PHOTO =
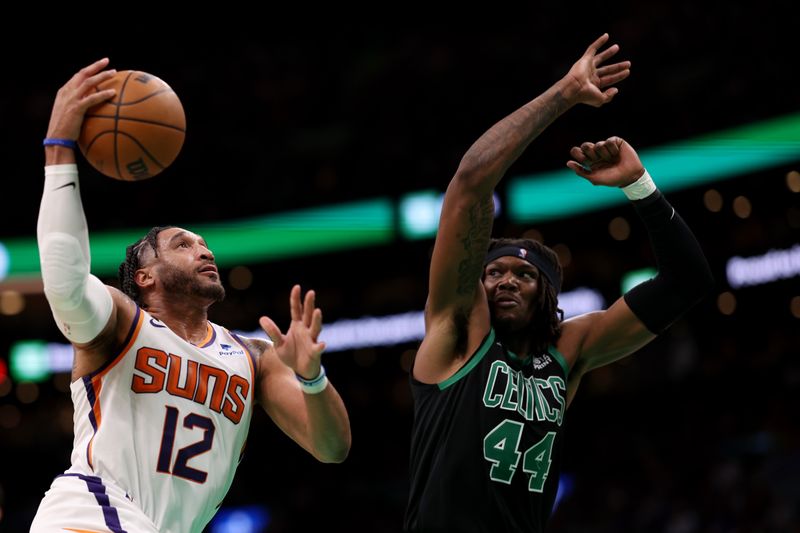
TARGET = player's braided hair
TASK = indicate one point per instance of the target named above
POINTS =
(546, 322)
(133, 255)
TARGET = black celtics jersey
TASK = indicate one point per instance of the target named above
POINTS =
(485, 446)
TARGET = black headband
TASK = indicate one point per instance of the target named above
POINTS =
(531, 256)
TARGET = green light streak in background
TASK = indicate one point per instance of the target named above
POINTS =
(295, 233)
(709, 158)
(533, 198)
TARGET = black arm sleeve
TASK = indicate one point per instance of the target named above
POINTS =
(684, 276)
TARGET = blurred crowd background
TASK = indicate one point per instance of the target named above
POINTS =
(698, 432)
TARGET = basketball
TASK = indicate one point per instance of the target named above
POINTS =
(136, 134)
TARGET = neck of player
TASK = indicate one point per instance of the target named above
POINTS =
(184, 316)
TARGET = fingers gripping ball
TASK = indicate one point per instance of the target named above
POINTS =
(136, 134)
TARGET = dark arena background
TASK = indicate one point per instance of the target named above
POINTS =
(316, 153)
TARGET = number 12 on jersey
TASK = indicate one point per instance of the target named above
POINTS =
(181, 467)
(500, 449)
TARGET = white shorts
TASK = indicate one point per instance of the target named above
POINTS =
(86, 504)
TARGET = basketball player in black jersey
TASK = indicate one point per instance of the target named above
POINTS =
(498, 368)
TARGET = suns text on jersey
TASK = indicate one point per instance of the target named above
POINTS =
(159, 371)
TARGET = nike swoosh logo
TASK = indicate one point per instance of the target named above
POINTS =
(70, 184)
(156, 324)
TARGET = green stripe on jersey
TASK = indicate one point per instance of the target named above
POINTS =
(561, 360)
(464, 370)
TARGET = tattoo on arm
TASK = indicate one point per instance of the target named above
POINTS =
(256, 346)
(540, 115)
(489, 157)
(475, 243)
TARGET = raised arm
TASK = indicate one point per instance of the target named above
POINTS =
(294, 389)
(467, 213)
(84, 309)
(683, 278)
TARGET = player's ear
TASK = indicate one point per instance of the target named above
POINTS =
(144, 277)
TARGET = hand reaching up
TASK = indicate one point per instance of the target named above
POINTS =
(75, 97)
(591, 80)
(298, 348)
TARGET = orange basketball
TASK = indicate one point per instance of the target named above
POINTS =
(136, 134)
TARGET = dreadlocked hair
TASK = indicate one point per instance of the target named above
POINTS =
(546, 322)
(132, 263)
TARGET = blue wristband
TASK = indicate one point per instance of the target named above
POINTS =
(69, 143)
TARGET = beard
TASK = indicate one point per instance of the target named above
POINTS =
(507, 321)
(178, 282)
(504, 323)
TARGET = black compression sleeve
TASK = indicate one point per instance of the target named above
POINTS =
(684, 276)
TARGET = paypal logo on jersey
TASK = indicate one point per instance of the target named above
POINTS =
(227, 349)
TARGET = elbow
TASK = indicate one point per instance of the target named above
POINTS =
(335, 458)
(660, 301)
(468, 168)
(475, 174)
(693, 288)
(464, 181)
(65, 271)
(335, 453)
(692, 285)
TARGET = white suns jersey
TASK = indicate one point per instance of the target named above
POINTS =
(166, 421)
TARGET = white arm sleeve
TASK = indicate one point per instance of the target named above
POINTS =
(81, 304)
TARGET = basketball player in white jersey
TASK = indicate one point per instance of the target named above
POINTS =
(163, 397)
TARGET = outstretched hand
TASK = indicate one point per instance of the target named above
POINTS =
(593, 81)
(613, 162)
(75, 97)
(298, 348)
